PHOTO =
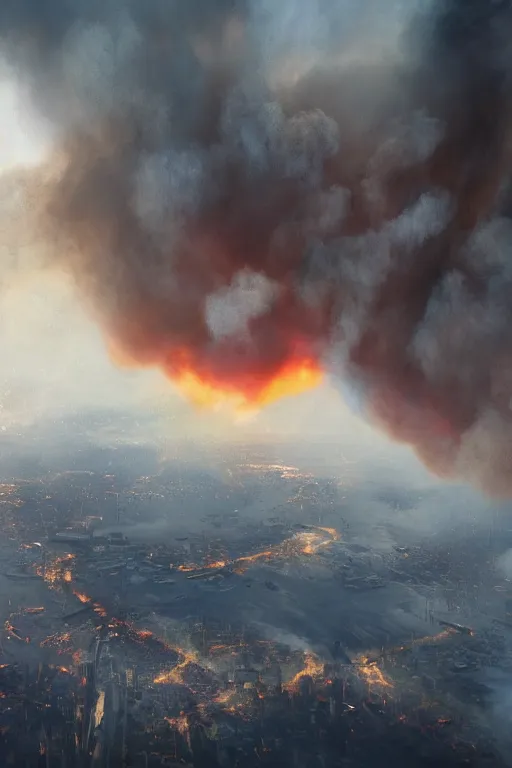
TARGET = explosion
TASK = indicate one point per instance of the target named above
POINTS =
(246, 204)
(294, 378)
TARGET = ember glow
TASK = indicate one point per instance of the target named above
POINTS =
(224, 697)
(313, 668)
(100, 610)
(440, 637)
(99, 708)
(445, 634)
(178, 723)
(175, 675)
(56, 571)
(308, 542)
(304, 543)
(293, 379)
(59, 639)
(215, 565)
(314, 542)
(82, 597)
(371, 673)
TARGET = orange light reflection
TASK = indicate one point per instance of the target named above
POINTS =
(294, 379)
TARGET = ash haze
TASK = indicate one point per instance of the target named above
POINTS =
(57, 362)
(241, 193)
(298, 212)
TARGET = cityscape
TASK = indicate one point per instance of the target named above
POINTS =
(256, 384)
(258, 628)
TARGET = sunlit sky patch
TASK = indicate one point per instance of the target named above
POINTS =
(23, 140)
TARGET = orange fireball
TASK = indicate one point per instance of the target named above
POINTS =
(294, 378)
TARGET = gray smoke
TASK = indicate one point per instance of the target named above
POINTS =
(238, 187)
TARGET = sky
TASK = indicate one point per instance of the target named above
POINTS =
(55, 359)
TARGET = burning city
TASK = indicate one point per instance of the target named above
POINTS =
(256, 384)
(190, 649)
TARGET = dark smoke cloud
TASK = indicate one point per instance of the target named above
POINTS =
(238, 186)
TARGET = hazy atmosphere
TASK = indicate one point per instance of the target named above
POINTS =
(255, 418)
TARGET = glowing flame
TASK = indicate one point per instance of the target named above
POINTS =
(372, 674)
(304, 543)
(180, 723)
(207, 390)
(418, 641)
(224, 697)
(99, 708)
(56, 571)
(57, 639)
(82, 597)
(294, 379)
(253, 558)
(445, 634)
(223, 648)
(314, 541)
(175, 675)
(207, 566)
(313, 668)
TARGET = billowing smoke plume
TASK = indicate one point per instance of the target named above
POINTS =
(245, 190)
